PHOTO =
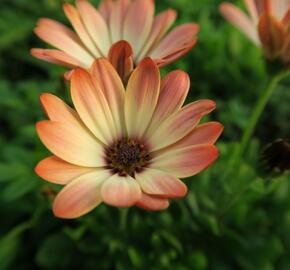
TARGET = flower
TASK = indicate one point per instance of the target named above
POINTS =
(267, 25)
(124, 148)
(125, 31)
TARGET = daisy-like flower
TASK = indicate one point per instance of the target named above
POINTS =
(267, 25)
(124, 31)
(124, 148)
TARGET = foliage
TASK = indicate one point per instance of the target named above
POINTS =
(237, 222)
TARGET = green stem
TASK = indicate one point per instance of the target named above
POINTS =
(123, 218)
(255, 116)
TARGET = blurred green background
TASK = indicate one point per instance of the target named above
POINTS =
(237, 223)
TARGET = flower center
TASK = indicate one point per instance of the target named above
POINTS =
(127, 156)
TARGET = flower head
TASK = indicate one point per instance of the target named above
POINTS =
(124, 148)
(125, 31)
(267, 25)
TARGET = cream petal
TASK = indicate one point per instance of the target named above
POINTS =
(141, 97)
(180, 37)
(58, 171)
(118, 12)
(56, 57)
(121, 57)
(111, 85)
(80, 196)
(64, 39)
(238, 18)
(92, 106)
(161, 184)
(173, 91)
(179, 124)
(105, 8)
(121, 191)
(252, 8)
(280, 7)
(95, 25)
(203, 134)
(161, 24)
(152, 203)
(71, 143)
(138, 23)
(187, 161)
(74, 17)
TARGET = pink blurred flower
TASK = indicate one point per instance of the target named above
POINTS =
(267, 25)
(121, 30)
(124, 148)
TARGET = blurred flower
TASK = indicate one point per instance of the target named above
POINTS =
(275, 158)
(98, 34)
(267, 25)
(124, 148)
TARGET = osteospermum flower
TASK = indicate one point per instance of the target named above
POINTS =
(124, 148)
(125, 31)
(267, 25)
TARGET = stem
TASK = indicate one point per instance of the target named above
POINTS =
(255, 116)
(123, 218)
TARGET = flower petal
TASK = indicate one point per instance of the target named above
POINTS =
(179, 124)
(121, 191)
(71, 143)
(117, 17)
(173, 91)
(64, 39)
(161, 24)
(56, 57)
(121, 57)
(58, 171)
(105, 8)
(92, 106)
(141, 97)
(138, 23)
(80, 196)
(203, 134)
(239, 19)
(74, 17)
(152, 203)
(113, 89)
(180, 37)
(95, 25)
(187, 161)
(161, 184)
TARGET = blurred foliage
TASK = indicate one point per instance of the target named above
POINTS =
(241, 222)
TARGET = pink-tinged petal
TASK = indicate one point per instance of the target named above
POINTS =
(117, 17)
(159, 183)
(80, 196)
(64, 39)
(105, 8)
(179, 124)
(252, 8)
(239, 19)
(280, 7)
(187, 161)
(141, 97)
(92, 106)
(121, 191)
(121, 57)
(74, 17)
(181, 37)
(55, 57)
(138, 23)
(58, 171)
(203, 134)
(95, 25)
(160, 26)
(173, 91)
(113, 89)
(71, 143)
(152, 203)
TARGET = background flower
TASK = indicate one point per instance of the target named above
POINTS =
(267, 25)
(98, 33)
